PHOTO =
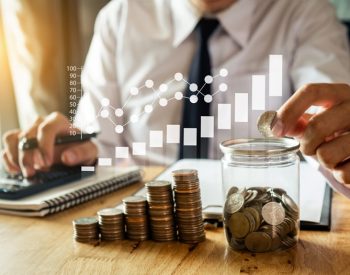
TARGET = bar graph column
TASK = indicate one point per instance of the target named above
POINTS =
(258, 92)
(207, 126)
(275, 75)
(156, 139)
(139, 148)
(241, 107)
(224, 116)
(121, 152)
(190, 137)
(173, 133)
(88, 169)
(104, 161)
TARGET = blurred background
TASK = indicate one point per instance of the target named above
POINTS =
(38, 40)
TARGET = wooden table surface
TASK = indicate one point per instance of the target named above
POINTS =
(45, 246)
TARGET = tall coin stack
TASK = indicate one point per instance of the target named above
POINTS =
(86, 230)
(135, 210)
(188, 206)
(111, 222)
(161, 210)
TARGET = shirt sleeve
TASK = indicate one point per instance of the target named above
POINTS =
(99, 82)
(322, 49)
(322, 55)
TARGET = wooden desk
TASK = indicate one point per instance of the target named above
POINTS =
(45, 246)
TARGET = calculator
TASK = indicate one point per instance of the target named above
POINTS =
(13, 187)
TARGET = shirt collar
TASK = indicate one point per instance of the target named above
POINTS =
(185, 19)
(236, 20)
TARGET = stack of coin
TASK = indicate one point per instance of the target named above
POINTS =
(161, 210)
(136, 218)
(188, 206)
(260, 219)
(85, 230)
(111, 222)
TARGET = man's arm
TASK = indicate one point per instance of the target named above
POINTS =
(99, 80)
(322, 49)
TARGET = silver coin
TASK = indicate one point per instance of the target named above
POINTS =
(134, 199)
(288, 201)
(85, 221)
(234, 203)
(265, 123)
(273, 213)
(109, 212)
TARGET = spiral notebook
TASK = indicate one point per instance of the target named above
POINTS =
(104, 181)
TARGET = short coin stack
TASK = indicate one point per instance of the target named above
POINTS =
(111, 222)
(260, 219)
(161, 210)
(86, 230)
(188, 206)
(136, 218)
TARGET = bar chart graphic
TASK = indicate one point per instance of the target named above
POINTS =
(222, 120)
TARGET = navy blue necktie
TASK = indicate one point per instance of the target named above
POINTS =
(200, 68)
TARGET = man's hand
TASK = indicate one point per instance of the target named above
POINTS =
(325, 134)
(45, 131)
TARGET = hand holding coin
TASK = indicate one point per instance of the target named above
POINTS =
(325, 134)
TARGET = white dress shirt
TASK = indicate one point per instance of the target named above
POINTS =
(135, 41)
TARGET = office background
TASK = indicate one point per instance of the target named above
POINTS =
(38, 40)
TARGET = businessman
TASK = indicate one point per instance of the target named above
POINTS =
(136, 41)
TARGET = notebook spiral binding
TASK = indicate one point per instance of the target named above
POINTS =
(90, 192)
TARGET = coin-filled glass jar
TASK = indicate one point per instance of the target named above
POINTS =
(261, 189)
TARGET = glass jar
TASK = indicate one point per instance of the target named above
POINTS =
(261, 189)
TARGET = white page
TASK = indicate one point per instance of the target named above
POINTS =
(312, 186)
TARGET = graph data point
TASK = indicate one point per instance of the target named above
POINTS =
(163, 88)
(104, 113)
(89, 129)
(223, 72)
(223, 87)
(119, 129)
(208, 79)
(163, 102)
(105, 102)
(208, 98)
(178, 76)
(149, 83)
(119, 112)
(193, 87)
(134, 91)
(148, 108)
(193, 99)
(179, 95)
(134, 118)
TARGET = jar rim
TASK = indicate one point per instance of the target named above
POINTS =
(272, 146)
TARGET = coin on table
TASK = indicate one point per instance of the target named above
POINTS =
(273, 213)
(234, 203)
(85, 229)
(265, 123)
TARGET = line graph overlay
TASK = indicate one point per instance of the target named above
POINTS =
(170, 134)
